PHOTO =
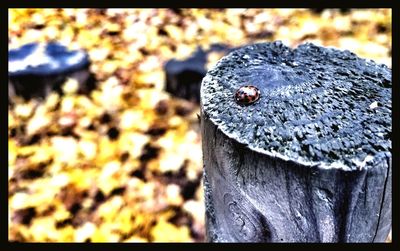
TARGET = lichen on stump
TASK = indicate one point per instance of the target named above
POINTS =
(310, 160)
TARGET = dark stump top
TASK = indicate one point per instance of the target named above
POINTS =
(45, 59)
(318, 106)
(196, 62)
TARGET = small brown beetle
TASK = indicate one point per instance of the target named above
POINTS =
(247, 94)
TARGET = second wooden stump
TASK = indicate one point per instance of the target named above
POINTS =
(310, 160)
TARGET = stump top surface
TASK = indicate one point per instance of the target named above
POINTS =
(317, 106)
(45, 59)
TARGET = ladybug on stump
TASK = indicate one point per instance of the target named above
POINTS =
(247, 94)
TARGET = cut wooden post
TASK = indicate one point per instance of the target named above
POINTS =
(310, 160)
(36, 69)
(183, 77)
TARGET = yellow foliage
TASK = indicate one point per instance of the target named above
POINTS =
(166, 232)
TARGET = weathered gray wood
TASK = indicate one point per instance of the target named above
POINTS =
(311, 160)
(34, 70)
(183, 77)
(33, 86)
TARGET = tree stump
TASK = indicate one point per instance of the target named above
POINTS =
(34, 70)
(310, 160)
(183, 77)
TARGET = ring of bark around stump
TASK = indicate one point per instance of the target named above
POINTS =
(320, 106)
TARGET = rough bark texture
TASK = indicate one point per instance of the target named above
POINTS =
(311, 160)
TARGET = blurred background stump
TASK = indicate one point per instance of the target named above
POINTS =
(183, 77)
(310, 160)
(34, 70)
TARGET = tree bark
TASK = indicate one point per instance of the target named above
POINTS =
(311, 160)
